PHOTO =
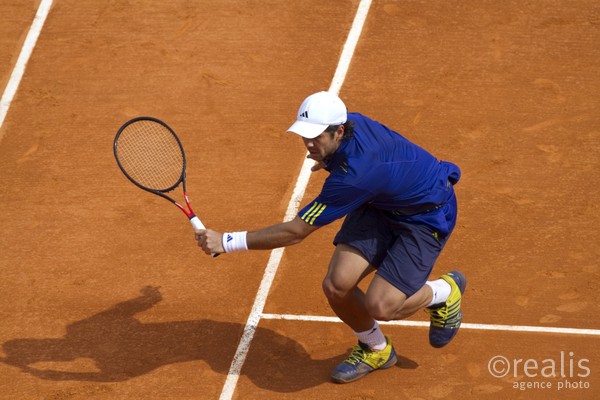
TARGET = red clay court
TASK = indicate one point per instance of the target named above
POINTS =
(105, 294)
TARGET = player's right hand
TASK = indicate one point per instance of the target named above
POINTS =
(210, 241)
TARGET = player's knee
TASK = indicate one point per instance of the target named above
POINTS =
(335, 293)
(378, 310)
(383, 310)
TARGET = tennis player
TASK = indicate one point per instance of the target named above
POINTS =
(400, 210)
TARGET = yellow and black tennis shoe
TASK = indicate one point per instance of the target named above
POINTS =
(445, 318)
(362, 361)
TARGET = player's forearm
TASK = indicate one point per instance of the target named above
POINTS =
(279, 235)
(272, 237)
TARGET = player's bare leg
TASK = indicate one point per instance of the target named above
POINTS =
(441, 298)
(346, 269)
(373, 351)
(386, 303)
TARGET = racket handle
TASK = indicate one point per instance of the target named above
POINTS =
(198, 225)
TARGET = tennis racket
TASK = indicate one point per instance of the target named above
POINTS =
(151, 156)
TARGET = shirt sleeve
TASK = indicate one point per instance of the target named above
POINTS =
(335, 201)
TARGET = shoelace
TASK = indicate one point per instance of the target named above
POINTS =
(357, 355)
(442, 318)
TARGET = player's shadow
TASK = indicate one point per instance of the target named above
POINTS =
(122, 348)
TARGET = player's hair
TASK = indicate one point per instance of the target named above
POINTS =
(348, 129)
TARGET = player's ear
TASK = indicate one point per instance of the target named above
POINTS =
(339, 133)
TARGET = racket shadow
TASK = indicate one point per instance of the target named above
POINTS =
(121, 347)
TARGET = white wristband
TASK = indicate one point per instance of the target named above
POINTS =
(234, 241)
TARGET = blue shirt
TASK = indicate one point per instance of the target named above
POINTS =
(381, 168)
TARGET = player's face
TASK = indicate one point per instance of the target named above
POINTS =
(323, 146)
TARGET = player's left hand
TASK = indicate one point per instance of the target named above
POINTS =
(210, 241)
(318, 165)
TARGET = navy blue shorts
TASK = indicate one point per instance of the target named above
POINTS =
(403, 253)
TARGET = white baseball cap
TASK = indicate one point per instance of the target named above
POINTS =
(317, 112)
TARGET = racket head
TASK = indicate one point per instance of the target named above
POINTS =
(150, 154)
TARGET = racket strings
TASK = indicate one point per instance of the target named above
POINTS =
(151, 155)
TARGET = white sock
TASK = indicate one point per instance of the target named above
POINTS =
(441, 291)
(373, 337)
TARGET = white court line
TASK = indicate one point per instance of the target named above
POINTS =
(26, 50)
(275, 258)
(425, 324)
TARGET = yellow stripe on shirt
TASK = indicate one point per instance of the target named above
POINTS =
(318, 212)
(313, 212)
(310, 210)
